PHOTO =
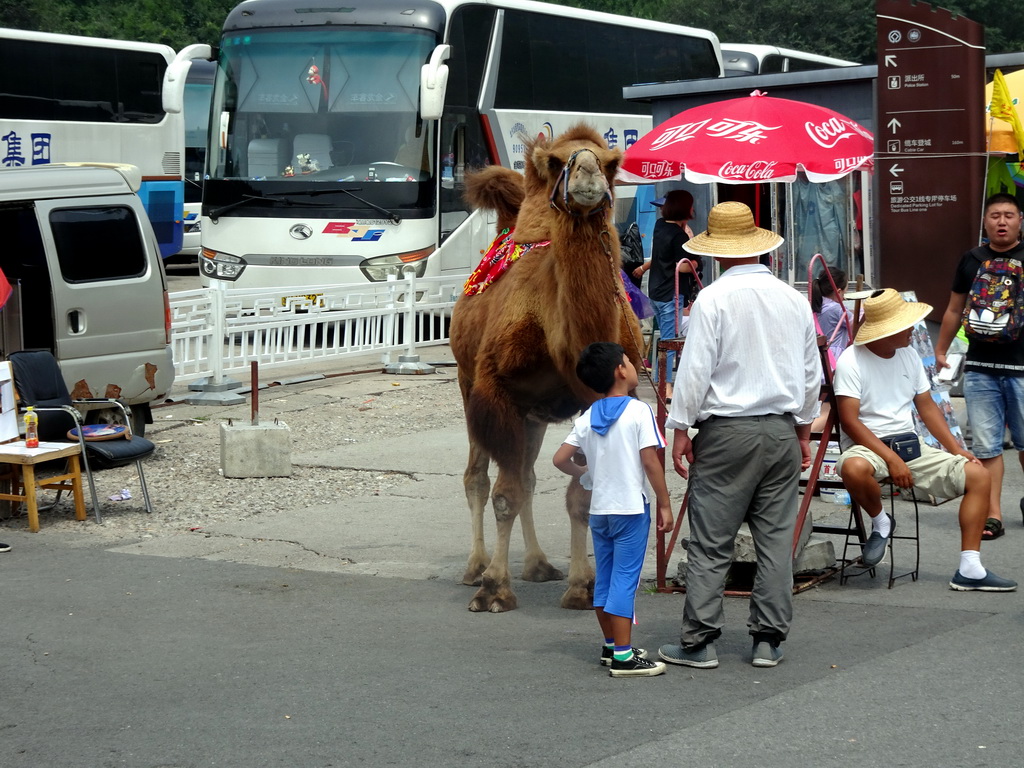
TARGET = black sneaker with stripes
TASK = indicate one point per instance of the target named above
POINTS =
(636, 667)
(607, 654)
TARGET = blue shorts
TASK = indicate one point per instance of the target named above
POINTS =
(994, 403)
(620, 543)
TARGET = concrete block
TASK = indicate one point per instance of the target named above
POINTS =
(256, 451)
(818, 554)
(814, 553)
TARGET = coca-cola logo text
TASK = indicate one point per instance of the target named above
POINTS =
(829, 133)
(759, 170)
(660, 169)
(845, 164)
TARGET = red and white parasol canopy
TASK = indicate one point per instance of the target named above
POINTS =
(749, 140)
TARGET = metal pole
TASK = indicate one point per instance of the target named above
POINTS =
(254, 376)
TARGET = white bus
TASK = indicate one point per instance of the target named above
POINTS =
(341, 135)
(82, 99)
(739, 59)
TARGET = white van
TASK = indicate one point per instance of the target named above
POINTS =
(88, 280)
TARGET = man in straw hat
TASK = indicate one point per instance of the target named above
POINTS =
(748, 380)
(877, 379)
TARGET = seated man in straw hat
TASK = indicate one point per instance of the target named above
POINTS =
(877, 379)
(748, 380)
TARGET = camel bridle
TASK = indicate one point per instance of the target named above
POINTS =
(563, 181)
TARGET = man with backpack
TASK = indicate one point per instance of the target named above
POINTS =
(988, 300)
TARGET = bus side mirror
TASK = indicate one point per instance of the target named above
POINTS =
(434, 83)
(177, 71)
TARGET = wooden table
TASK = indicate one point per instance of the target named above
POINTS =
(17, 455)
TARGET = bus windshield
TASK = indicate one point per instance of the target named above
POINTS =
(323, 106)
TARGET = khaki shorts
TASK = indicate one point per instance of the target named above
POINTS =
(936, 472)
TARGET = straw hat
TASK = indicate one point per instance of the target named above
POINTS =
(886, 313)
(731, 234)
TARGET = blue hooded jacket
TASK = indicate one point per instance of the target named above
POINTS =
(605, 412)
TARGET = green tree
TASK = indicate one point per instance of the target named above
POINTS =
(841, 28)
(152, 21)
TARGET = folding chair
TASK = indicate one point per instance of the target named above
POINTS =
(896, 535)
(38, 381)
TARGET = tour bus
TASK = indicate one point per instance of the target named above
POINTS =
(80, 99)
(739, 59)
(341, 136)
(198, 92)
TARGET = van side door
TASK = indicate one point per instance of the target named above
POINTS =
(108, 289)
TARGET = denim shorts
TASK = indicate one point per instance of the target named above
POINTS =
(994, 403)
(665, 311)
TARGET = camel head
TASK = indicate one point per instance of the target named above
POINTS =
(576, 168)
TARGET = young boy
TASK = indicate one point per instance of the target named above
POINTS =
(620, 438)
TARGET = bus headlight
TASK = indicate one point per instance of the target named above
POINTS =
(220, 266)
(378, 268)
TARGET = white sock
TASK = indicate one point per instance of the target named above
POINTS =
(970, 565)
(880, 524)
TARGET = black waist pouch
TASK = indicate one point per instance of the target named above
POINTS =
(906, 445)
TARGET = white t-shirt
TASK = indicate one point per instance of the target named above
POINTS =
(613, 459)
(886, 387)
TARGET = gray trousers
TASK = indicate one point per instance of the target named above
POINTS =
(745, 468)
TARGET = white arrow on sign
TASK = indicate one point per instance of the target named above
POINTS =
(890, 60)
(894, 124)
(895, 170)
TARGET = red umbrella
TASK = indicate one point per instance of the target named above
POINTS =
(752, 139)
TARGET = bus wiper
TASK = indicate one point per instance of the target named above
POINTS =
(246, 199)
(395, 218)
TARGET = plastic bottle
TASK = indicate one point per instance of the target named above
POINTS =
(31, 428)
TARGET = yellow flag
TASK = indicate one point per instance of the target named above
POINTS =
(1003, 109)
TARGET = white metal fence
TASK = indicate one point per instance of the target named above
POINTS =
(219, 331)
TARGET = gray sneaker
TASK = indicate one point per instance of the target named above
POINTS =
(766, 654)
(990, 583)
(874, 547)
(702, 658)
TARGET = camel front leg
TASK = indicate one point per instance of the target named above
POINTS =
(535, 564)
(477, 486)
(495, 594)
(579, 595)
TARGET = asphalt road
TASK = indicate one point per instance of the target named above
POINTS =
(339, 636)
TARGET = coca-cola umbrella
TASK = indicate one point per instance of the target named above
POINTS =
(753, 139)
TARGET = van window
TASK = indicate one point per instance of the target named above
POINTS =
(98, 243)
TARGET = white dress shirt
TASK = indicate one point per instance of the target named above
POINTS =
(751, 350)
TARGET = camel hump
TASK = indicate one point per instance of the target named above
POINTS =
(496, 188)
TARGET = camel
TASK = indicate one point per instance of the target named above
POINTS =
(517, 342)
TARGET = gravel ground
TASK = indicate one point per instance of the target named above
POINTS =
(184, 479)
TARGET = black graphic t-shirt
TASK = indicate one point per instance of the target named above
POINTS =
(994, 357)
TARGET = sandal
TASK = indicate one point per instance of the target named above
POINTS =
(993, 529)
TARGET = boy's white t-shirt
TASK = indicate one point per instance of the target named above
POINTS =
(886, 387)
(613, 459)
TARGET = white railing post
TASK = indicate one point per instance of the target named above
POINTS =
(409, 363)
(215, 390)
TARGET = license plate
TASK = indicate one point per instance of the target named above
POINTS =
(312, 298)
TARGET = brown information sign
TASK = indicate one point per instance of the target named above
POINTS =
(929, 145)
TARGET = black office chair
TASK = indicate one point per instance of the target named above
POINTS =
(39, 383)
